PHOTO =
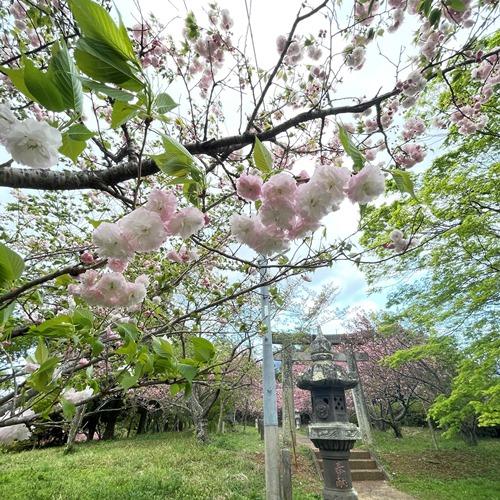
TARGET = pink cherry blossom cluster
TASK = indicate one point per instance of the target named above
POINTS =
(488, 73)
(147, 227)
(371, 151)
(220, 17)
(355, 57)
(430, 40)
(410, 155)
(386, 117)
(295, 51)
(182, 255)
(364, 12)
(398, 15)
(399, 243)
(290, 211)
(469, 119)
(143, 230)
(110, 289)
(461, 16)
(412, 128)
(413, 84)
(151, 46)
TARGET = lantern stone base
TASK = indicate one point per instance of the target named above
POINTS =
(335, 440)
(332, 494)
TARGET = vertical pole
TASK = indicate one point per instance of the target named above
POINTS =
(271, 433)
(286, 461)
(288, 412)
(289, 438)
(359, 400)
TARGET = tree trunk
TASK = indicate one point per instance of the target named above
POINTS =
(432, 431)
(141, 426)
(109, 430)
(220, 426)
(92, 426)
(75, 425)
(199, 418)
(469, 434)
(397, 429)
(201, 430)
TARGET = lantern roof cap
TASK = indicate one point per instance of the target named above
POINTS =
(321, 348)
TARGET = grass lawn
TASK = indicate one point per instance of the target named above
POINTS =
(455, 472)
(154, 466)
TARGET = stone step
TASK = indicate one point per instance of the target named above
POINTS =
(360, 454)
(362, 464)
(367, 475)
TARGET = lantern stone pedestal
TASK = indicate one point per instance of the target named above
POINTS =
(330, 430)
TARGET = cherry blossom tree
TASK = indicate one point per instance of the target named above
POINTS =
(130, 241)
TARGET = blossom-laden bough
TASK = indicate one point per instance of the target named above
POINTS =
(141, 271)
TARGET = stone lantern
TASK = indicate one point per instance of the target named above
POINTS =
(330, 430)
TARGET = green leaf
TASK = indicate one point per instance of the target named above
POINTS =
(127, 380)
(63, 72)
(178, 162)
(204, 350)
(425, 7)
(352, 151)
(102, 63)
(41, 353)
(16, 76)
(11, 266)
(83, 319)
(64, 280)
(177, 150)
(458, 5)
(175, 389)
(164, 103)
(129, 349)
(68, 408)
(5, 313)
(70, 148)
(60, 326)
(79, 132)
(262, 157)
(101, 88)
(42, 378)
(43, 88)
(189, 372)
(96, 23)
(96, 223)
(162, 347)
(122, 112)
(435, 16)
(128, 331)
(96, 345)
(403, 181)
(74, 141)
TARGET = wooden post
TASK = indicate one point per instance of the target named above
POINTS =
(289, 437)
(286, 485)
(271, 430)
(359, 401)
(288, 414)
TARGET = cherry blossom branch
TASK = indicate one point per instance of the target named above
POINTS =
(276, 68)
(74, 270)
